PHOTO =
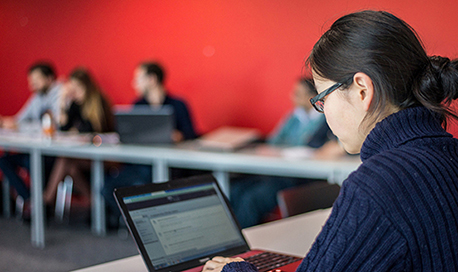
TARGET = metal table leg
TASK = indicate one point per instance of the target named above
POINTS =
(98, 203)
(160, 171)
(224, 181)
(36, 166)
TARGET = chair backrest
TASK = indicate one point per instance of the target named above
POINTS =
(307, 197)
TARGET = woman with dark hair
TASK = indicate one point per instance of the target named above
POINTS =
(384, 98)
(84, 110)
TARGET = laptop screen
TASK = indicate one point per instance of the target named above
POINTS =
(183, 224)
(144, 125)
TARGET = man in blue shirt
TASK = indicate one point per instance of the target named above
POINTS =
(303, 126)
(254, 197)
(45, 98)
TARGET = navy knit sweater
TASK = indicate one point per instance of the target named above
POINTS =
(399, 210)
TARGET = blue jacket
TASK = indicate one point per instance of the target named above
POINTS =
(291, 131)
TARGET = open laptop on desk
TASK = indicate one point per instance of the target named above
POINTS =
(144, 125)
(179, 225)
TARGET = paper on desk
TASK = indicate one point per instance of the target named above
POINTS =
(298, 152)
(228, 138)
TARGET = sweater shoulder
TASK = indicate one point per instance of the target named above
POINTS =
(416, 188)
(418, 172)
(355, 235)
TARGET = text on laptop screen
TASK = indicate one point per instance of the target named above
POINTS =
(182, 224)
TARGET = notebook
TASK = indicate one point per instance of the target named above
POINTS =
(180, 224)
(144, 125)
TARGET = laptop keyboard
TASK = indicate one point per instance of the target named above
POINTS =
(267, 261)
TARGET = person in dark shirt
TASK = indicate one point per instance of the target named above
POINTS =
(385, 98)
(76, 121)
(84, 109)
(148, 82)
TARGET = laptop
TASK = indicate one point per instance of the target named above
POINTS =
(181, 224)
(144, 125)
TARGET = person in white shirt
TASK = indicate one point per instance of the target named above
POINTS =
(44, 99)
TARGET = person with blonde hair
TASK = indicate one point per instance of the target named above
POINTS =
(84, 109)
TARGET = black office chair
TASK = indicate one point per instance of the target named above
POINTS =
(306, 198)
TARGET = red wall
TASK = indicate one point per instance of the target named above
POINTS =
(233, 61)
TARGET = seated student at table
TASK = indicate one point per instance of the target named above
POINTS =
(148, 82)
(254, 197)
(386, 99)
(45, 98)
(84, 109)
(303, 126)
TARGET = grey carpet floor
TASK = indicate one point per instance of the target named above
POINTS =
(68, 247)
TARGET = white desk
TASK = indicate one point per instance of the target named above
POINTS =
(264, 161)
(293, 235)
(260, 160)
(33, 145)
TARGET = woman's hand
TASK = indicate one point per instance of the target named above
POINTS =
(8, 123)
(177, 136)
(217, 263)
(67, 95)
(66, 100)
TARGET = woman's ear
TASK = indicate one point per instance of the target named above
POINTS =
(365, 89)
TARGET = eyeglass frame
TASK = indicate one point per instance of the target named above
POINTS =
(320, 97)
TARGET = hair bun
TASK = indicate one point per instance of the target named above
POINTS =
(446, 74)
(439, 64)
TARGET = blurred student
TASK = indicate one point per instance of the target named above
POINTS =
(45, 91)
(254, 197)
(303, 126)
(84, 109)
(148, 82)
(45, 97)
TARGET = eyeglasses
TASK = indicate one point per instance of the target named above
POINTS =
(318, 101)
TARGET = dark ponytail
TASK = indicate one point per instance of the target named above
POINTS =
(390, 52)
